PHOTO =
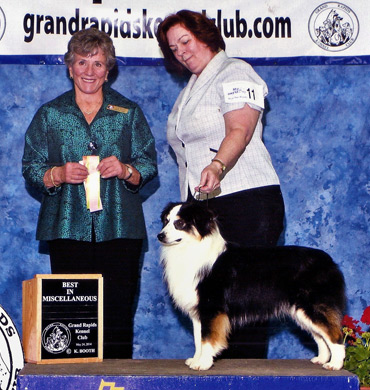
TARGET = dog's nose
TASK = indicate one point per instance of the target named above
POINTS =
(161, 237)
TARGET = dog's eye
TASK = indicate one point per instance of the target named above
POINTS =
(179, 224)
(165, 222)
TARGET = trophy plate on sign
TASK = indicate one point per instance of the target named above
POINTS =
(63, 318)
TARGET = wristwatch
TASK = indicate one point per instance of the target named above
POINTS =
(130, 171)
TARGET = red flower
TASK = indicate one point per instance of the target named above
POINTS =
(349, 322)
(366, 316)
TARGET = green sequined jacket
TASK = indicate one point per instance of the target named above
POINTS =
(59, 134)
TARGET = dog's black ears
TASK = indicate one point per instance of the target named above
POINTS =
(194, 212)
(197, 213)
(205, 220)
(167, 209)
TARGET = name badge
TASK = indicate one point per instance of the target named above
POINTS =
(245, 92)
(111, 107)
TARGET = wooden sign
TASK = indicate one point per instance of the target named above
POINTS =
(63, 318)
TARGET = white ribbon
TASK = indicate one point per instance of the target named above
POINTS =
(92, 183)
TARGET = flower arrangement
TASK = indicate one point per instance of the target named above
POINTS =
(357, 347)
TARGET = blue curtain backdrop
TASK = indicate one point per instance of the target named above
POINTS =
(317, 130)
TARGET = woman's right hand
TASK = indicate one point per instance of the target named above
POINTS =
(71, 173)
(210, 178)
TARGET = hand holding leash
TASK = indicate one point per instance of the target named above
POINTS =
(210, 178)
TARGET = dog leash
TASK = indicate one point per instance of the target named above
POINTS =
(198, 199)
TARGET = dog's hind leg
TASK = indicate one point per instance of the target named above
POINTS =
(328, 337)
(333, 350)
(323, 355)
(331, 332)
(338, 354)
(209, 346)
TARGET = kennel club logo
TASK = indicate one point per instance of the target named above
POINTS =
(2, 23)
(11, 353)
(333, 26)
(56, 338)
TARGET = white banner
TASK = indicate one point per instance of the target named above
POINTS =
(265, 29)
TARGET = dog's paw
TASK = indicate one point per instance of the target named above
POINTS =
(333, 366)
(189, 361)
(337, 358)
(318, 360)
(201, 364)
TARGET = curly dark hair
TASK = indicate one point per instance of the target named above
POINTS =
(85, 42)
(203, 28)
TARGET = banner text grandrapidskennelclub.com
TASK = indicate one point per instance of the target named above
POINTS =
(269, 31)
(124, 26)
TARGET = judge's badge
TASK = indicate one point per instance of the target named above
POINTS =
(111, 107)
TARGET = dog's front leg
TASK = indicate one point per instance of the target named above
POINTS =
(197, 333)
(203, 357)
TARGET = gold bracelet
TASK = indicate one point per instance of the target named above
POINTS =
(52, 178)
(223, 166)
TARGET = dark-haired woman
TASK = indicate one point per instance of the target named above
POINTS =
(93, 136)
(215, 130)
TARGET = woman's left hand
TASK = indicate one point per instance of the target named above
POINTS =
(112, 167)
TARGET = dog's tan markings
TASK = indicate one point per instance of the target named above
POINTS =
(220, 330)
(196, 234)
(333, 329)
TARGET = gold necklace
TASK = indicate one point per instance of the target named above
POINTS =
(93, 110)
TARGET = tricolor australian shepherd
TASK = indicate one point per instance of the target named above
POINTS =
(221, 285)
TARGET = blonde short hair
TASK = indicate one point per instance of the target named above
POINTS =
(87, 42)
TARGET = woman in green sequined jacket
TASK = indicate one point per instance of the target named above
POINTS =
(93, 119)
